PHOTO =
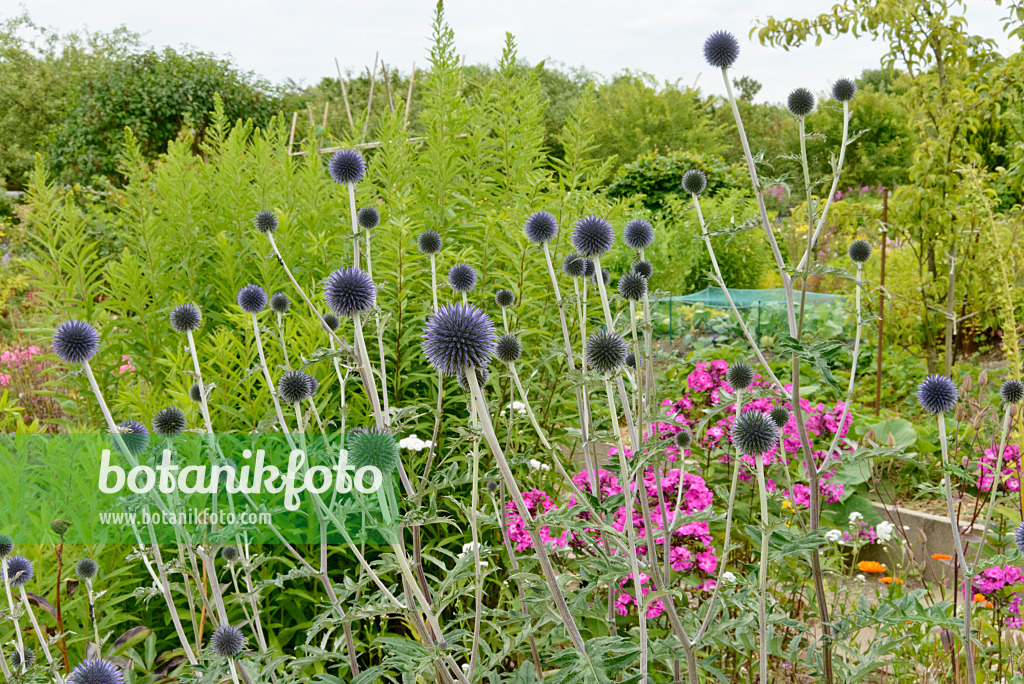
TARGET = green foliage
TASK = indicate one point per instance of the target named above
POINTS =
(657, 177)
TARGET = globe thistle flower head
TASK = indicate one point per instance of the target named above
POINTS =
(280, 303)
(739, 376)
(368, 218)
(844, 89)
(573, 265)
(492, 485)
(429, 242)
(1018, 538)
(456, 336)
(721, 49)
(169, 421)
(605, 351)
(483, 374)
(638, 234)
(504, 298)
(859, 251)
(15, 659)
(252, 299)
(1012, 391)
(937, 394)
(588, 267)
(347, 167)
(694, 181)
(508, 349)
(632, 286)
(631, 360)
(332, 321)
(75, 342)
(754, 433)
(6, 545)
(643, 268)
(86, 569)
(265, 221)
(195, 393)
(186, 318)
(375, 448)
(293, 386)
(606, 276)
(134, 435)
(349, 291)
(800, 102)
(683, 439)
(19, 571)
(314, 384)
(462, 277)
(96, 671)
(779, 416)
(540, 227)
(227, 641)
(593, 236)
(229, 553)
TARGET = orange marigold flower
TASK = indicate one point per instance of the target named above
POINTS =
(870, 566)
(979, 598)
(942, 556)
(890, 580)
(988, 604)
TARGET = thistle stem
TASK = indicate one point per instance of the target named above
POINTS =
(853, 378)
(355, 225)
(762, 575)
(35, 626)
(996, 477)
(270, 382)
(14, 615)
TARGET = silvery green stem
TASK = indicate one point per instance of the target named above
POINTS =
(341, 383)
(997, 475)
(637, 360)
(835, 182)
(355, 225)
(3, 664)
(14, 615)
(475, 537)
(218, 598)
(762, 575)
(35, 626)
(433, 280)
(199, 379)
(517, 499)
(270, 381)
(649, 382)
(626, 481)
(958, 543)
(853, 377)
(380, 341)
(810, 222)
(363, 360)
(284, 347)
(231, 666)
(165, 589)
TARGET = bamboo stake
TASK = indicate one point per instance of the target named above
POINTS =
(291, 136)
(344, 93)
(326, 106)
(387, 85)
(369, 99)
(408, 98)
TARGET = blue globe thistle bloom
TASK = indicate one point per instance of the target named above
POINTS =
(937, 394)
(462, 277)
(800, 102)
(19, 571)
(508, 348)
(573, 265)
(1012, 391)
(376, 448)
(632, 286)
(605, 351)
(15, 659)
(754, 433)
(631, 360)
(483, 374)
(347, 167)
(227, 641)
(694, 181)
(6, 545)
(265, 221)
(169, 421)
(293, 386)
(540, 227)
(134, 435)
(229, 553)
(504, 298)
(349, 291)
(683, 439)
(186, 318)
(740, 376)
(75, 342)
(96, 671)
(252, 299)
(593, 236)
(1018, 538)
(606, 276)
(332, 321)
(588, 267)
(368, 218)
(429, 242)
(859, 251)
(721, 49)
(844, 89)
(638, 234)
(456, 336)
(195, 393)
(280, 302)
(86, 569)
(314, 384)
(644, 268)
(779, 415)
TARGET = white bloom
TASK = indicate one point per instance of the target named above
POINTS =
(537, 465)
(468, 549)
(518, 406)
(861, 578)
(855, 516)
(414, 443)
(728, 577)
(884, 531)
(833, 535)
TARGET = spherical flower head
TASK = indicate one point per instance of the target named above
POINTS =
(75, 342)
(504, 298)
(638, 234)
(694, 181)
(376, 448)
(721, 49)
(314, 384)
(643, 268)
(30, 659)
(588, 267)
(280, 303)
(779, 416)
(593, 236)
(631, 360)
(227, 641)
(492, 485)
(573, 265)
(134, 435)
(6, 545)
(96, 671)
(293, 386)
(195, 393)
(1018, 538)
(169, 421)
(483, 374)
(429, 242)
(350, 291)
(252, 299)
(1012, 391)
(540, 227)
(186, 318)
(265, 221)
(937, 394)
(754, 433)
(332, 321)
(86, 569)
(19, 571)
(800, 102)
(739, 376)
(462, 277)
(844, 89)
(368, 217)
(859, 251)
(683, 439)
(605, 351)
(347, 167)
(456, 336)
(606, 276)
(632, 286)
(229, 553)
(508, 349)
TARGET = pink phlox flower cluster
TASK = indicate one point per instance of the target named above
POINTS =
(17, 356)
(625, 599)
(991, 580)
(1009, 480)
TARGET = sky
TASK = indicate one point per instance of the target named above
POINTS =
(297, 40)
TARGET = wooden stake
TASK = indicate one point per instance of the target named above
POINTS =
(291, 136)
(369, 99)
(326, 105)
(408, 98)
(881, 302)
(344, 93)
(387, 85)
(462, 66)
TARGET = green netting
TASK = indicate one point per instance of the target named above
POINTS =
(745, 299)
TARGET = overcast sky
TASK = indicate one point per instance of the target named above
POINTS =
(300, 40)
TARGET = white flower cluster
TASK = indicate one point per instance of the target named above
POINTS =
(537, 465)
(468, 549)
(833, 535)
(414, 443)
(884, 531)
